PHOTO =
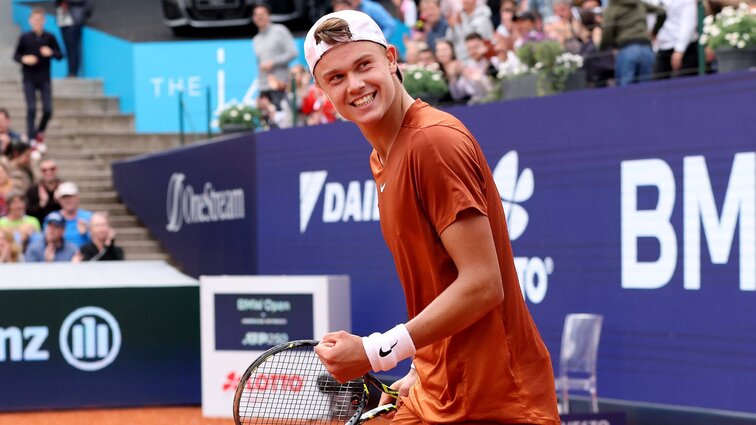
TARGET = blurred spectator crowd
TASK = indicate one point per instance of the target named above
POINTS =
(467, 48)
(40, 217)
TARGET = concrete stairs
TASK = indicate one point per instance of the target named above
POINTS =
(87, 132)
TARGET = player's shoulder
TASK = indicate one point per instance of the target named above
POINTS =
(436, 129)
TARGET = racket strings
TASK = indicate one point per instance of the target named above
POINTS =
(292, 387)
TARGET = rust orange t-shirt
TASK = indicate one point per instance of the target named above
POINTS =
(498, 369)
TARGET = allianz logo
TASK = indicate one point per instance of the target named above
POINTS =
(184, 205)
(89, 340)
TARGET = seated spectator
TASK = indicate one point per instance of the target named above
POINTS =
(273, 117)
(41, 197)
(6, 134)
(562, 26)
(478, 71)
(426, 58)
(19, 155)
(473, 18)
(526, 29)
(22, 226)
(6, 186)
(374, 9)
(76, 219)
(10, 252)
(407, 10)
(434, 25)
(51, 248)
(317, 107)
(507, 11)
(301, 80)
(102, 247)
(452, 70)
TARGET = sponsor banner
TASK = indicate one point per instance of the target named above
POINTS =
(199, 201)
(635, 203)
(242, 316)
(105, 347)
(260, 321)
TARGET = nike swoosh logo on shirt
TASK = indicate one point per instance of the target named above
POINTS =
(383, 186)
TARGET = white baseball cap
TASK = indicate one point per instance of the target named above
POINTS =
(67, 189)
(361, 27)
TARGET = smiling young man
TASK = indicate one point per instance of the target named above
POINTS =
(477, 355)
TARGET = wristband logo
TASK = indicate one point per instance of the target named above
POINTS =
(386, 353)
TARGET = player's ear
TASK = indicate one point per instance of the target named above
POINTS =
(393, 56)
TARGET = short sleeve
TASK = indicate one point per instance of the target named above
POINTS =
(447, 174)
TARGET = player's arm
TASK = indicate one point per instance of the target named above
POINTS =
(477, 289)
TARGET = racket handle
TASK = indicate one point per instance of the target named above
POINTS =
(378, 411)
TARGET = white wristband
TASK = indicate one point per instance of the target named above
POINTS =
(389, 348)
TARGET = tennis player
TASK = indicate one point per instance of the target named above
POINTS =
(477, 355)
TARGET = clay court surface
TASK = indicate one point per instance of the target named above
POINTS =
(134, 416)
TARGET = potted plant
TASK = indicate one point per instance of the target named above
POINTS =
(425, 82)
(731, 33)
(239, 117)
(553, 65)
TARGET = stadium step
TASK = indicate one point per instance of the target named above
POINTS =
(68, 103)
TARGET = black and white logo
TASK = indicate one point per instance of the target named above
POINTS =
(90, 338)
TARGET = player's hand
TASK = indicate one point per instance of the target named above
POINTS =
(343, 356)
(30, 60)
(45, 51)
(403, 386)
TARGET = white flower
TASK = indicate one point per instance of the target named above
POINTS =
(709, 20)
(436, 77)
(741, 44)
(214, 123)
(417, 75)
(247, 117)
(240, 107)
(234, 113)
(704, 39)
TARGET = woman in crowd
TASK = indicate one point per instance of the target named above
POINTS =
(22, 226)
(6, 185)
(9, 249)
(452, 69)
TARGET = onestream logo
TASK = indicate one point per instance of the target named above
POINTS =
(516, 187)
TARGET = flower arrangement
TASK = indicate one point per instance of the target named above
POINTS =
(239, 115)
(552, 64)
(731, 28)
(423, 81)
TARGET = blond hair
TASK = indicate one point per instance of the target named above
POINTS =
(15, 250)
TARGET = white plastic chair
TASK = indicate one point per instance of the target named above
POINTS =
(577, 359)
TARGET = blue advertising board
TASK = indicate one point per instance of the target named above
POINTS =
(635, 203)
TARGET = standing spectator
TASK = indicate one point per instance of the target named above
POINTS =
(17, 222)
(542, 8)
(77, 220)
(6, 186)
(51, 248)
(102, 247)
(473, 18)
(19, 155)
(626, 29)
(676, 43)
(274, 48)
(41, 196)
(434, 24)
(598, 65)
(34, 50)
(71, 16)
(6, 134)
(10, 252)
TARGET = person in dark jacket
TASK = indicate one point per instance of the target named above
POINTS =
(71, 16)
(34, 51)
(626, 29)
(102, 247)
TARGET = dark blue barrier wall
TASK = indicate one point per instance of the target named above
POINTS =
(637, 203)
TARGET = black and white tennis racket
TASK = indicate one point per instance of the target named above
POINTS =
(289, 385)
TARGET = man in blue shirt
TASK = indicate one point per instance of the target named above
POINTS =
(380, 15)
(53, 248)
(77, 219)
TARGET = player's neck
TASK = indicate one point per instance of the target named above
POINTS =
(382, 135)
